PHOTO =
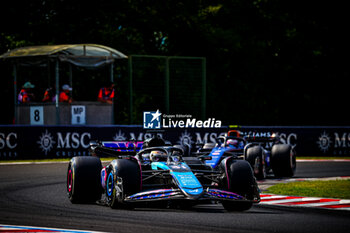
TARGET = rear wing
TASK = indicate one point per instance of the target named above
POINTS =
(115, 148)
(253, 138)
(123, 146)
(272, 138)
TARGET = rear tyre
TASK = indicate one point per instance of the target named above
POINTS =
(255, 156)
(123, 179)
(84, 179)
(241, 180)
(283, 160)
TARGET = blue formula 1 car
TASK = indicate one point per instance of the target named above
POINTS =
(158, 173)
(264, 154)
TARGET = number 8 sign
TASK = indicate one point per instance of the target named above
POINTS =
(36, 115)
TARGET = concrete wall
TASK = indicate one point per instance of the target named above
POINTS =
(96, 113)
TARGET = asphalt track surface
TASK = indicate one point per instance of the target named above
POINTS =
(35, 195)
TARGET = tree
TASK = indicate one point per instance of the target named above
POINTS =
(275, 62)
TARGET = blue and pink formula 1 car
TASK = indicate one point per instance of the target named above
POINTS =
(159, 173)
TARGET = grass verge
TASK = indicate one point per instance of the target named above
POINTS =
(328, 189)
(315, 157)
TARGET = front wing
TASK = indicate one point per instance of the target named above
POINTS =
(177, 194)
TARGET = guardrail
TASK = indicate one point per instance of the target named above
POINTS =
(40, 142)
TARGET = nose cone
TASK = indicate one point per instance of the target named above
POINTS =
(193, 193)
(189, 184)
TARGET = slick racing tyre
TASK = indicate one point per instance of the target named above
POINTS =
(283, 161)
(240, 181)
(84, 179)
(123, 180)
(255, 156)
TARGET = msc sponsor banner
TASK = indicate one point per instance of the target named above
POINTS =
(28, 142)
(39, 142)
(309, 140)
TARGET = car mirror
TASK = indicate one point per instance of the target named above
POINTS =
(205, 157)
(93, 143)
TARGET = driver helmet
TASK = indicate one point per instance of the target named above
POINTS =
(157, 156)
(176, 155)
(232, 143)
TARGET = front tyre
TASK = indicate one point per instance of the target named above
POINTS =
(241, 180)
(83, 179)
(255, 156)
(123, 179)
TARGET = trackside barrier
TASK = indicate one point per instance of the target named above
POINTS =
(40, 142)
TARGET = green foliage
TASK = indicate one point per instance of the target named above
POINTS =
(10, 41)
(277, 62)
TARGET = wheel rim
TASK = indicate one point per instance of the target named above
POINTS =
(110, 182)
(259, 168)
(263, 170)
(292, 160)
(69, 180)
(256, 165)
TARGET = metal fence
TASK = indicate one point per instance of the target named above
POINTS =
(174, 85)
